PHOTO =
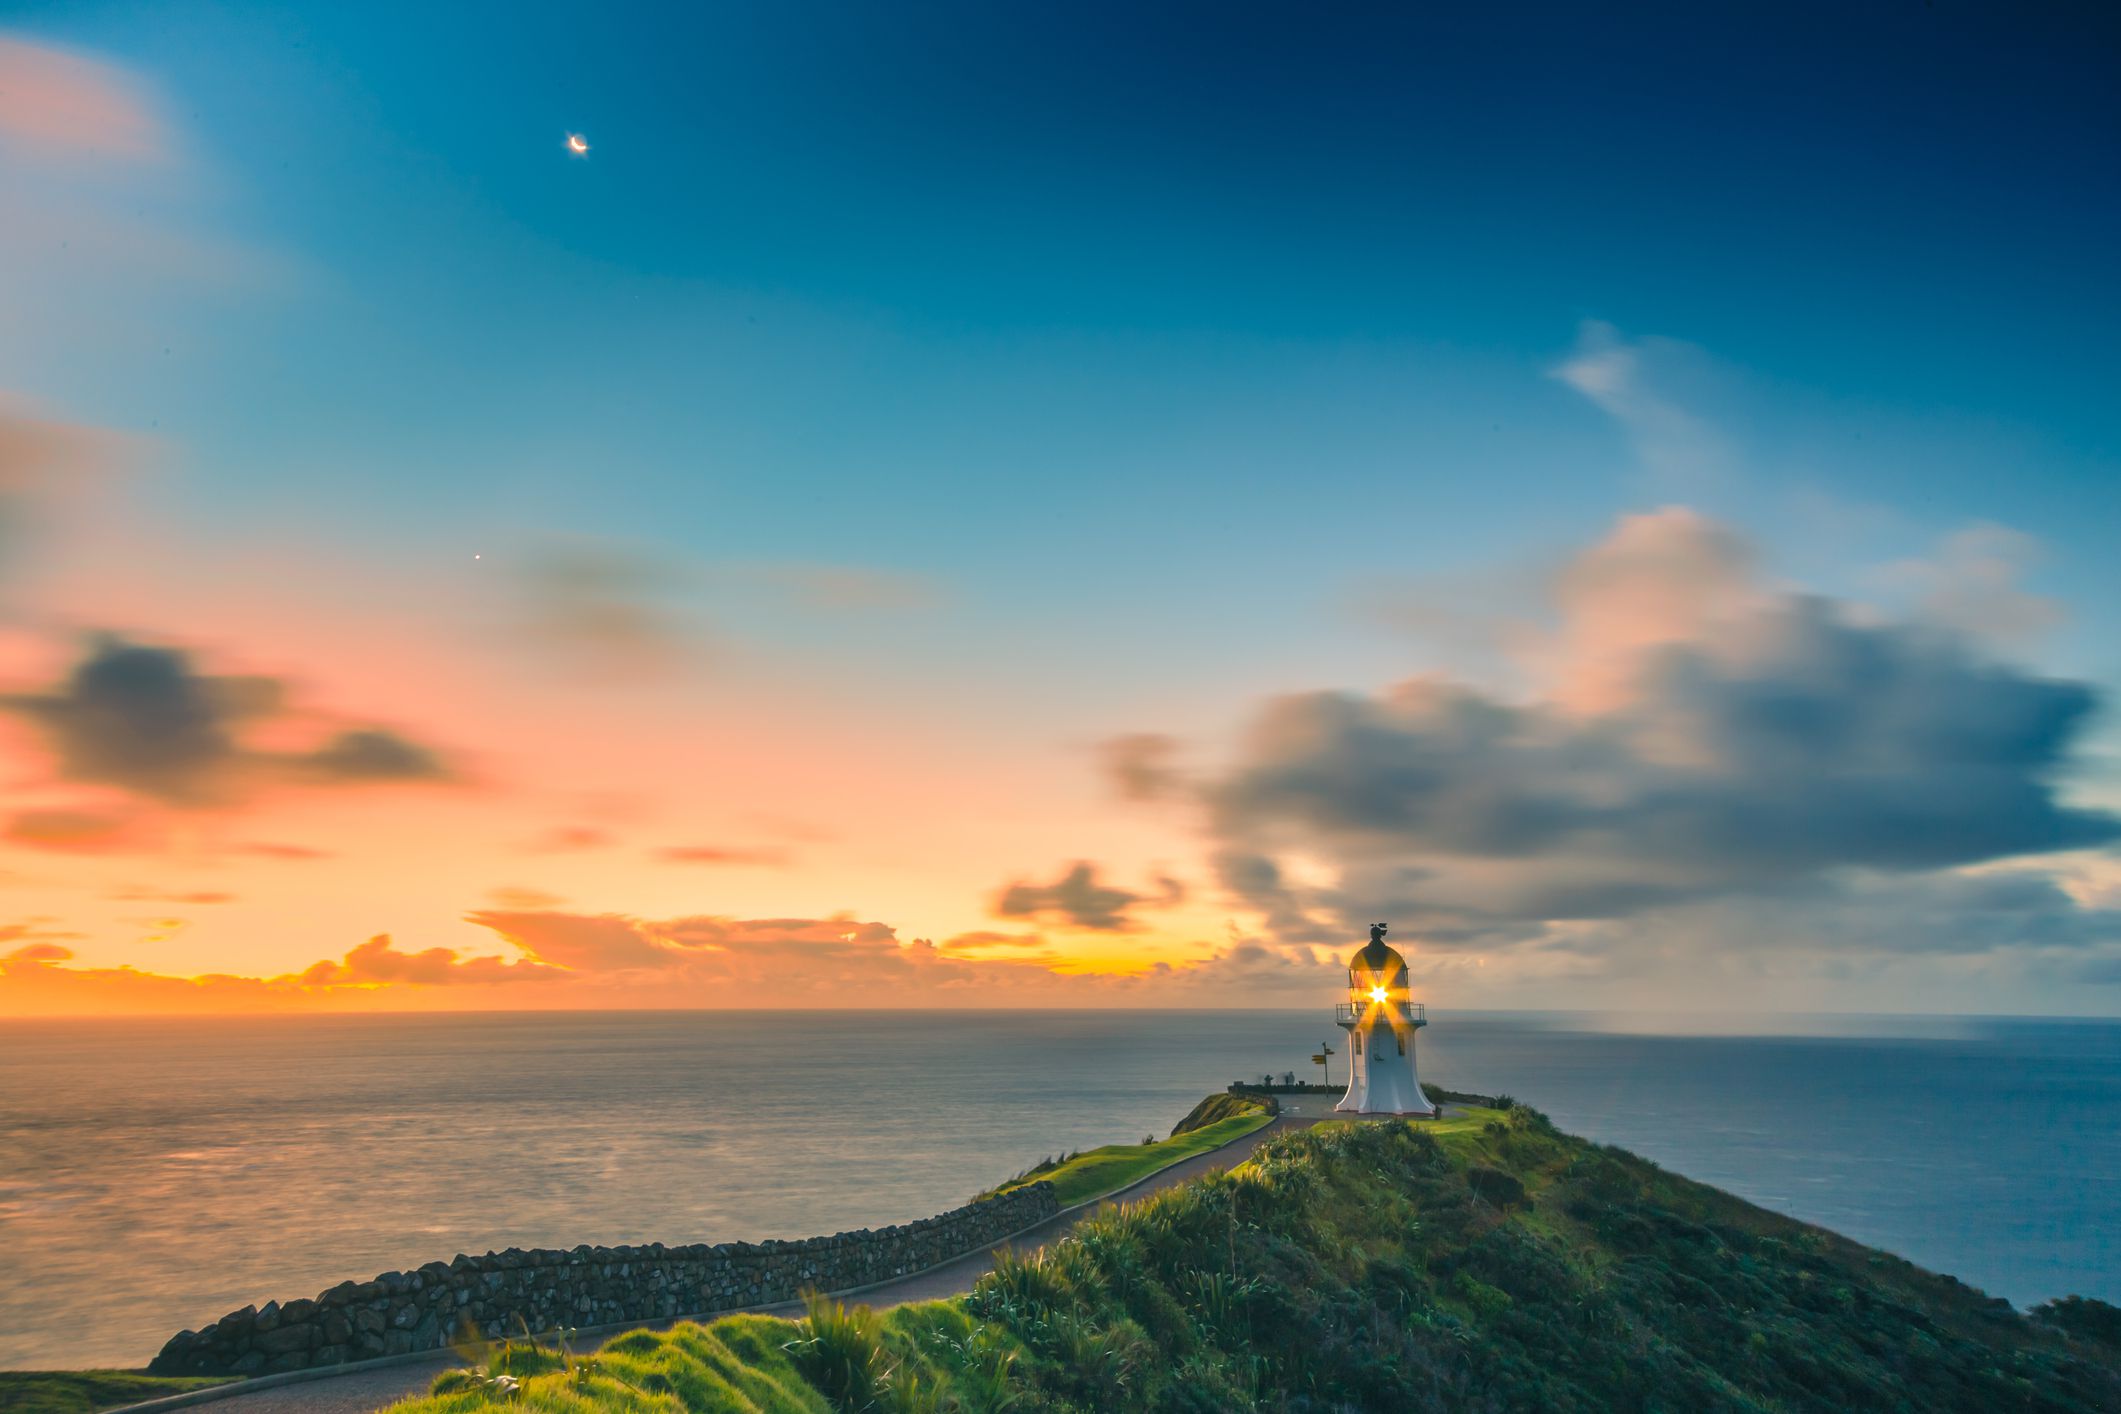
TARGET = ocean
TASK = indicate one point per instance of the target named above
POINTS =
(155, 1174)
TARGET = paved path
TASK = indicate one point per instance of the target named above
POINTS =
(363, 1391)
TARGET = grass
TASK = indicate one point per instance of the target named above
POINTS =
(1482, 1262)
(85, 1391)
(1096, 1172)
(737, 1365)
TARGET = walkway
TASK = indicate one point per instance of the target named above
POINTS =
(363, 1391)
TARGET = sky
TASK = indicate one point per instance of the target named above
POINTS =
(940, 505)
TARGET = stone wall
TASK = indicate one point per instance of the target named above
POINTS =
(502, 1292)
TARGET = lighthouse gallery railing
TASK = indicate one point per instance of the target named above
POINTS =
(1410, 1013)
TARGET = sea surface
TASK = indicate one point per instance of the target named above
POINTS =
(155, 1174)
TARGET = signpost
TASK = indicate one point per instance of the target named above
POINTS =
(1323, 1058)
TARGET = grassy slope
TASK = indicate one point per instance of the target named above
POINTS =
(1096, 1172)
(1482, 1263)
(83, 1391)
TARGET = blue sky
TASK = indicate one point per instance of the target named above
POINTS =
(1154, 338)
(904, 258)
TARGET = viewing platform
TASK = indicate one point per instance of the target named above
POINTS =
(1407, 1013)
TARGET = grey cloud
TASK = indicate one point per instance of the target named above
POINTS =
(143, 718)
(618, 609)
(634, 610)
(1139, 765)
(1785, 743)
(140, 717)
(1864, 921)
(1076, 897)
(371, 754)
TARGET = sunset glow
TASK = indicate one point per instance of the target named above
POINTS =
(940, 551)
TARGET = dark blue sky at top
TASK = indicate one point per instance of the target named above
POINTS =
(1882, 180)
(989, 290)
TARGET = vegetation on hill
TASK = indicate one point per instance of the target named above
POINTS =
(1484, 1262)
(1077, 1178)
(84, 1391)
(1220, 1106)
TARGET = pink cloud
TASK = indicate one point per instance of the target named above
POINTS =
(566, 839)
(62, 103)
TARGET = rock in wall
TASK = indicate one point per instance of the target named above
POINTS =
(502, 1293)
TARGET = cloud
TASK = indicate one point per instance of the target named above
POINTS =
(1139, 765)
(74, 831)
(34, 930)
(34, 981)
(377, 962)
(142, 718)
(981, 939)
(608, 607)
(1638, 383)
(1075, 898)
(267, 849)
(137, 893)
(1970, 584)
(581, 942)
(839, 588)
(106, 225)
(568, 839)
(637, 611)
(55, 104)
(701, 946)
(139, 717)
(518, 897)
(1908, 937)
(1664, 577)
(724, 854)
(372, 754)
(623, 960)
(43, 463)
(1698, 736)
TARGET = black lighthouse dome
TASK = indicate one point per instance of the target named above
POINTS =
(1378, 964)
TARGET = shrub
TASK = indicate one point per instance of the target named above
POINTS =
(841, 1352)
(2083, 1318)
(1504, 1190)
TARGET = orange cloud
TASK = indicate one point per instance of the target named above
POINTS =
(135, 893)
(521, 896)
(722, 854)
(261, 849)
(377, 962)
(581, 942)
(73, 831)
(58, 103)
(32, 982)
(565, 839)
(615, 960)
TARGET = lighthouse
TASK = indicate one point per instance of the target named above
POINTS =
(1381, 1021)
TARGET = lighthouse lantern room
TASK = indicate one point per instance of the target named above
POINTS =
(1381, 1020)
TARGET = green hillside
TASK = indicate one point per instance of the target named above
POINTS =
(1488, 1263)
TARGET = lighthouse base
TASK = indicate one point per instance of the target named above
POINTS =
(1384, 1081)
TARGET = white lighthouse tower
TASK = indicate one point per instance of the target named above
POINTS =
(1381, 1021)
